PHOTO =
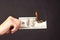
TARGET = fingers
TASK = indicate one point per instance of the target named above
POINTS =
(15, 24)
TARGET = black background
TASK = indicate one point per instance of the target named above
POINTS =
(48, 10)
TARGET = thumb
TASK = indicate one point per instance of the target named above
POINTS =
(14, 29)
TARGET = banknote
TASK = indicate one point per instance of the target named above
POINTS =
(31, 23)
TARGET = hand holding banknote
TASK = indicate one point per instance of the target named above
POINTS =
(10, 25)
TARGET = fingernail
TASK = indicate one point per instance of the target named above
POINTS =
(12, 32)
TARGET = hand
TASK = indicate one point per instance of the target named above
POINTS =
(11, 24)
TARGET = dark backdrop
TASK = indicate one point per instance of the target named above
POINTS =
(48, 10)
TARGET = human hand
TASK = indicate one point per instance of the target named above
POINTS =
(11, 24)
